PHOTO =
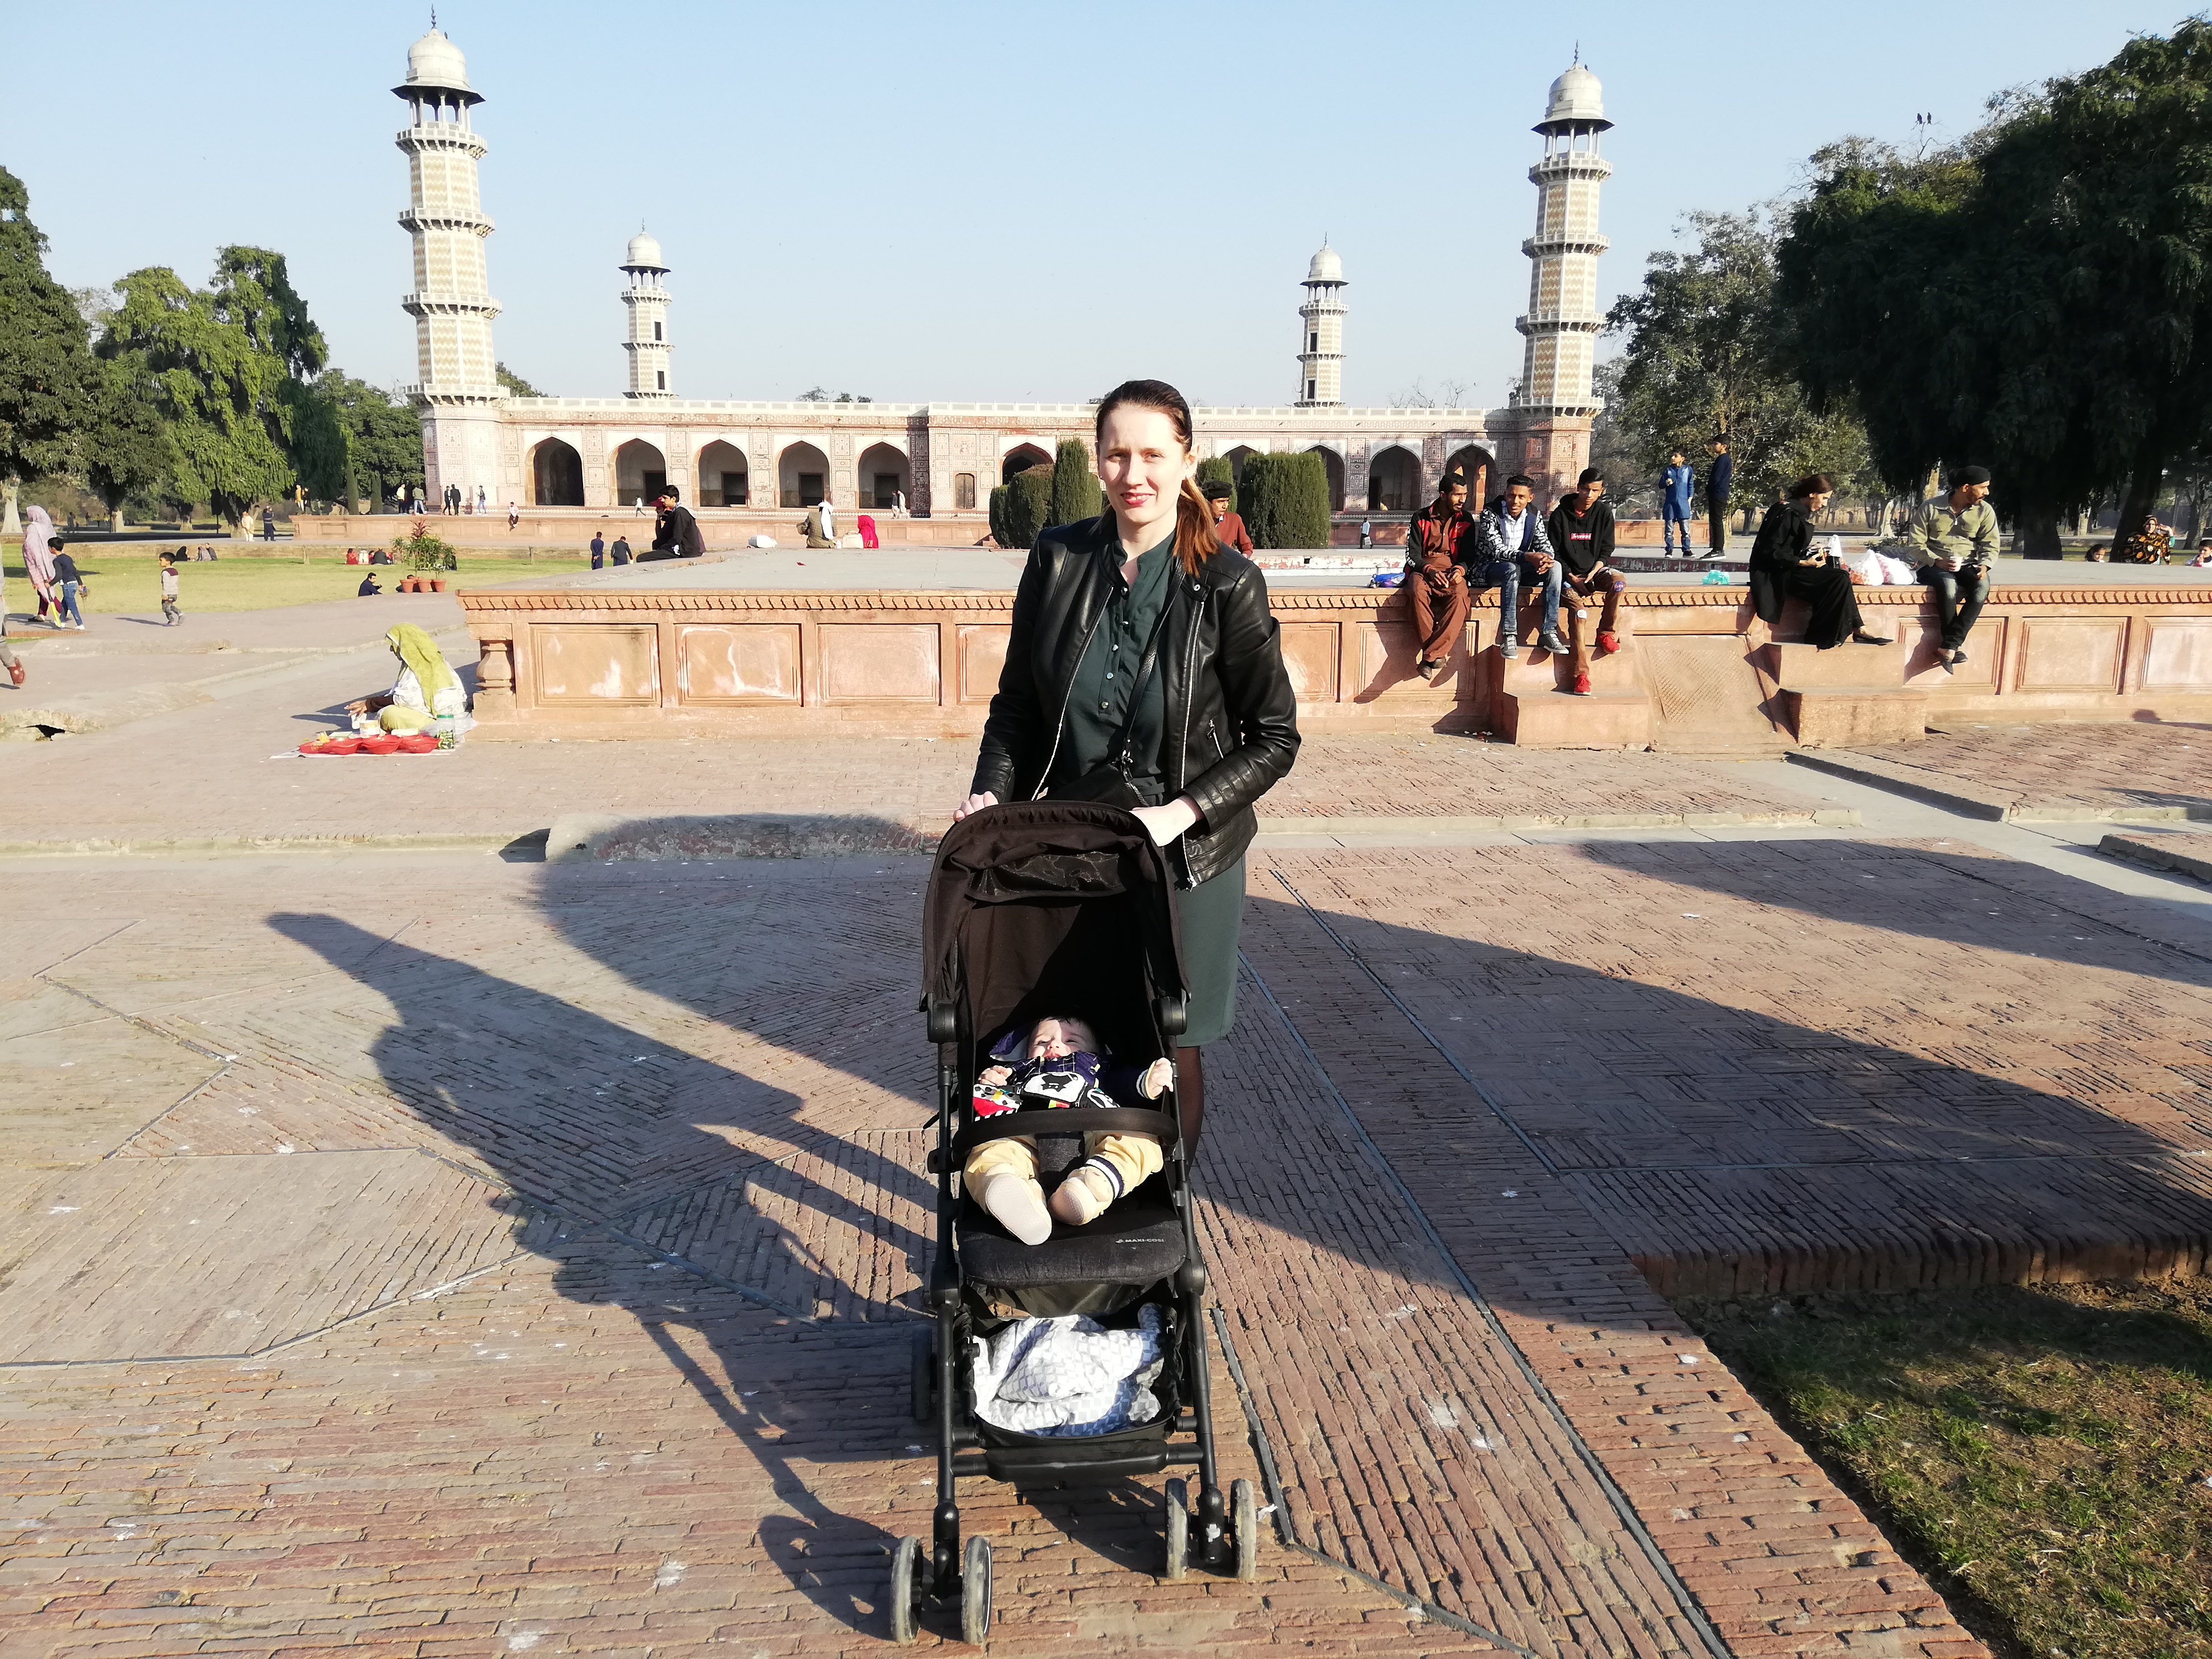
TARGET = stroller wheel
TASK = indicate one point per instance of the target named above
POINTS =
(975, 1592)
(906, 1563)
(921, 1384)
(1244, 1529)
(1178, 1497)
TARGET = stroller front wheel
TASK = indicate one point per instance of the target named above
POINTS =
(905, 1558)
(1244, 1529)
(975, 1592)
(1178, 1497)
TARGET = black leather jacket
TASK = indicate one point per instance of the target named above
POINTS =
(1231, 720)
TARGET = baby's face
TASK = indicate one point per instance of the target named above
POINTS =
(1056, 1039)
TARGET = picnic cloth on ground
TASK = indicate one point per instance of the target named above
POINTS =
(1068, 1377)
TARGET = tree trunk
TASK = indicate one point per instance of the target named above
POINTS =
(2037, 537)
(2143, 485)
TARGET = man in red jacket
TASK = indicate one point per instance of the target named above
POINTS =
(1229, 526)
(1436, 573)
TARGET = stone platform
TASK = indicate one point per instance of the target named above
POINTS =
(657, 652)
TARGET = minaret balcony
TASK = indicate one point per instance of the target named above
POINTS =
(449, 305)
(1540, 247)
(420, 219)
(451, 394)
(1571, 164)
(442, 135)
(1553, 322)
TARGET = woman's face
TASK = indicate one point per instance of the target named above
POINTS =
(1817, 503)
(1142, 465)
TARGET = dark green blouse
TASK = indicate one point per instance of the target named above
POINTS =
(1098, 701)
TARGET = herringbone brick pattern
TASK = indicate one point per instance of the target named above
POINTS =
(2108, 768)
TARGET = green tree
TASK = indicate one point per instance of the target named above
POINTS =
(998, 531)
(2044, 290)
(45, 372)
(1075, 491)
(1287, 500)
(1705, 354)
(515, 384)
(384, 437)
(232, 368)
(126, 446)
(1219, 469)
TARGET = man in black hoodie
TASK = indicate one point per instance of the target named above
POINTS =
(675, 531)
(1581, 533)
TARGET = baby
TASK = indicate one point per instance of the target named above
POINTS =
(1064, 1067)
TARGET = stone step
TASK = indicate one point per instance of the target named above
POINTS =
(1855, 716)
(1806, 667)
(1559, 720)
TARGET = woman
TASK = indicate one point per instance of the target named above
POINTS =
(1783, 563)
(39, 560)
(425, 688)
(1215, 722)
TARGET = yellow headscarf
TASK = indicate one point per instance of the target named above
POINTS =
(420, 652)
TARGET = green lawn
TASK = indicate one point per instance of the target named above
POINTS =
(128, 581)
(2043, 1452)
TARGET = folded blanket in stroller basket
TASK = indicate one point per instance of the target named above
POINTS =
(1068, 1377)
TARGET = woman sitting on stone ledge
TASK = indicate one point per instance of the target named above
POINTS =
(1783, 564)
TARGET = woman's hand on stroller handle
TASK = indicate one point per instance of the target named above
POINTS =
(1164, 823)
(974, 804)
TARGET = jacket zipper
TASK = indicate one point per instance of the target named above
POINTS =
(1189, 669)
(1067, 697)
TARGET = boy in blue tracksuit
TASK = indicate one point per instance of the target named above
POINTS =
(1674, 489)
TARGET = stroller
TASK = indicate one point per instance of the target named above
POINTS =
(1040, 908)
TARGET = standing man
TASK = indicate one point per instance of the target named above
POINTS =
(1228, 527)
(268, 524)
(1367, 532)
(1512, 544)
(675, 531)
(1719, 477)
(1437, 545)
(830, 519)
(619, 553)
(1954, 543)
(1675, 487)
(1582, 532)
(598, 550)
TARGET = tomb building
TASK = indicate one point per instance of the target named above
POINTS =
(748, 464)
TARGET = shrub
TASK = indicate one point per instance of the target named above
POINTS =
(1028, 507)
(419, 550)
(1285, 501)
(999, 516)
(1075, 491)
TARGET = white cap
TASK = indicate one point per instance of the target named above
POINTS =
(1327, 266)
(644, 253)
(1576, 96)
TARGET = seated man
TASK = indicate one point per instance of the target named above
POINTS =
(1581, 533)
(1437, 546)
(1954, 543)
(1227, 526)
(675, 531)
(1510, 544)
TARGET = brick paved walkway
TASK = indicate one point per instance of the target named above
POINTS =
(211, 773)
(605, 1132)
(2067, 770)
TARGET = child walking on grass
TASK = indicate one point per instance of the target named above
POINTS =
(170, 614)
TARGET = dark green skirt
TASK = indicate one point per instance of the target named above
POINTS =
(1211, 914)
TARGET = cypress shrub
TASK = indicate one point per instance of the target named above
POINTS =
(999, 516)
(1218, 468)
(1075, 491)
(1285, 501)
(1029, 507)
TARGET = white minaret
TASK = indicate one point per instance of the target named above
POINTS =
(450, 305)
(1321, 331)
(646, 301)
(1563, 321)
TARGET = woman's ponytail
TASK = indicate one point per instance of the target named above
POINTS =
(1195, 542)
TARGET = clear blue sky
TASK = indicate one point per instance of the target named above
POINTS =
(968, 201)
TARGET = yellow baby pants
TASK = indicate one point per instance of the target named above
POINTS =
(1135, 1158)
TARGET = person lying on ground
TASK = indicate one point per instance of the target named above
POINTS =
(1063, 1065)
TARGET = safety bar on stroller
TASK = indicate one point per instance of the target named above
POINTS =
(1070, 1120)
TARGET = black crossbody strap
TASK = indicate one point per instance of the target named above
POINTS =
(1119, 754)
